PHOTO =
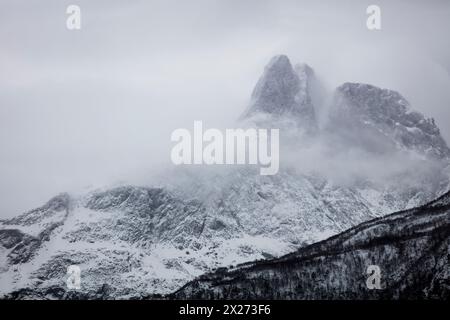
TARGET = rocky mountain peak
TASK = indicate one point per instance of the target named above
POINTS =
(388, 115)
(283, 91)
(279, 62)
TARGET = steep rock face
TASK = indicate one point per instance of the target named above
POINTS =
(411, 249)
(147, 215)
(383, 121)
(113, 235)
(37, 226)
(284, 91)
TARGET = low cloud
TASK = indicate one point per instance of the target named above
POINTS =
(96, 106)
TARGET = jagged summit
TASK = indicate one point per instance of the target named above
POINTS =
(279, 61)
(284, 90)
(385, 115)
(376, 119)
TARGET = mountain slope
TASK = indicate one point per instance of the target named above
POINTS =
(410, 247)
(138, 240)
(154, 240)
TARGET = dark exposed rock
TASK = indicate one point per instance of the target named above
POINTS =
(284, 91)
(11, 237)
(383, 120)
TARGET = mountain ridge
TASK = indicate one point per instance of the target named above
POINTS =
(137, 240)
(350, 249)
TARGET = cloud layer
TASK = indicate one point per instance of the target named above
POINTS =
(94, 106)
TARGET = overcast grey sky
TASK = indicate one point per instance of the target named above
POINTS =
(95, 106)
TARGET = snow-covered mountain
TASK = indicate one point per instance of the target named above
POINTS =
(132, 241)
(410, 250)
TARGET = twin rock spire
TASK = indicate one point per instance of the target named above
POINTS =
(284, 93)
